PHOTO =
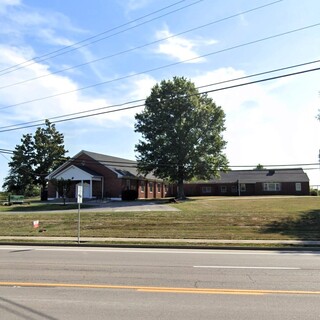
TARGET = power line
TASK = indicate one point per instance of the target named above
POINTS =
(133, 163)
(162, 67)
(72, 47)
(41, 121)
(5, 151)
(125, 163)
(76, 118)
(138, 47)
(200, 93)
(262, 80)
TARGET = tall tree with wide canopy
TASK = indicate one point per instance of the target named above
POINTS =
(181, 134)
(34, 158)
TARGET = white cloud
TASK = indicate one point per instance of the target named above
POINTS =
(133, 5)
(21, 22)
(4, 4)
(180, 48)
(262, 127)
(54, 84)
(50, 36)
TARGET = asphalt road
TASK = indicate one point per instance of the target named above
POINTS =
(108, 283)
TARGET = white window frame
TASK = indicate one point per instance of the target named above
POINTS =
(272, 186)
(243, 187)
(298, 186)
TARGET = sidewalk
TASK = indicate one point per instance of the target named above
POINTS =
(151, 241)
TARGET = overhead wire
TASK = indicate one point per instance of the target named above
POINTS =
(126, 163)
(41, 121)
(161, 67)
(55, 53)
(138, 47)
(6, 151)
(141, 105)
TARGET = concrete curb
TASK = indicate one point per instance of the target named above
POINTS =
(161, 240)
(289, 245)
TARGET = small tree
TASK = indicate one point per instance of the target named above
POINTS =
(63, 187)
(181, 134)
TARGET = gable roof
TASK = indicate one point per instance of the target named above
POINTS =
(120, 166)
(124, 168)
(264, 175)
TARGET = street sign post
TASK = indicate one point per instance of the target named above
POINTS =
(79, 201)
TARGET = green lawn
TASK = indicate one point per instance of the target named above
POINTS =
(198, 218)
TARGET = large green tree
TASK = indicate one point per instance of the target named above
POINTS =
(34, 159)
(49, 152)
(21, 176)
(181, 134)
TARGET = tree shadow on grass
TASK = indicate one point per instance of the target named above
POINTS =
(305, 227)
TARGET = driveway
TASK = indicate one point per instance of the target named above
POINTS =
(121, 206)
(110, 206)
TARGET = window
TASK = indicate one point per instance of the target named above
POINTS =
(128, 184)
(243, 187)
(223, 189)
(298, 186)
(151, 186)
(234, 189)
(142, 184)
(206, 189)
(159, 187)
(272, 186)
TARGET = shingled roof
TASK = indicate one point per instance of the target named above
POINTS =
(124, 167)
(264, 175)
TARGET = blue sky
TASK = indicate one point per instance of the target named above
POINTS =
(142, 42)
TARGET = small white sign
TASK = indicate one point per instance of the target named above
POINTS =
(35, 224)
(79, 194)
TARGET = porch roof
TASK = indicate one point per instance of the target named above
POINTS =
(77, 174)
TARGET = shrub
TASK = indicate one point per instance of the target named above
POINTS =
(129, 195)
(314, 192)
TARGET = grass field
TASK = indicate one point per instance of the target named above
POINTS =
(295, 218)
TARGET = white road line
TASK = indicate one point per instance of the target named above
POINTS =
(160, 251)
(247, 267)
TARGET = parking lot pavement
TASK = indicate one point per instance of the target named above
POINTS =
(113, 206)
(120, 206)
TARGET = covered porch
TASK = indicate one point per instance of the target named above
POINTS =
(92, 182)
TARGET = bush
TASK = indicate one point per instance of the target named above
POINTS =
(314, 192)
(129, 195)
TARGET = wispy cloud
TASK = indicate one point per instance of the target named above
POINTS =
(4, 4)
(18, 22)
(133, 5)
(180, 48)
